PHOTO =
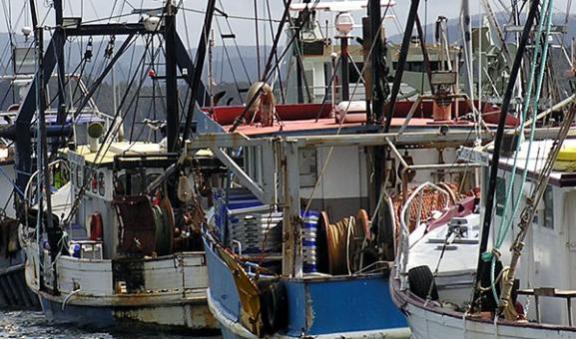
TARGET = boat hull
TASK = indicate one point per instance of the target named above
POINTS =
(429, 321)
(167, 293)
(186, 317)
(348, 306)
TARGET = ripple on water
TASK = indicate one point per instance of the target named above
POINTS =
(26, 324)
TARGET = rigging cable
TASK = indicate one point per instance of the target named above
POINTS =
(542, 62)
(234, 77)
(489, 206)
(236, 45)
(279, 72)
(104, 147)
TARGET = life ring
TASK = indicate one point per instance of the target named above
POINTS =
(273, 306)
(96, 227)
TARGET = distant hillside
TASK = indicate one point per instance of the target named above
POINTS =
(227, 65)
(455, 35)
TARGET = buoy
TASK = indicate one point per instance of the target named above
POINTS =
(96, 227)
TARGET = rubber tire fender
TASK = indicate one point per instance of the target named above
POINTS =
(273, 306)
(420, 278)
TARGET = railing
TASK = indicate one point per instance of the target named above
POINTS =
(552, 293)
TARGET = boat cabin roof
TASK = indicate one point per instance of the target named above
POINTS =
(117, 148)
(533, 160)
(315, 119)
(355, 123)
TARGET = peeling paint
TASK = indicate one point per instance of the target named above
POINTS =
(309, 307)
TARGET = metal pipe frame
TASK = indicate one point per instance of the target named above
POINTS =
(406, 168)
(281, 165)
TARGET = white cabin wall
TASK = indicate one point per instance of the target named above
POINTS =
(546, 260)
(316, 83)
(550, 262)
(110, 225)
(343, 189)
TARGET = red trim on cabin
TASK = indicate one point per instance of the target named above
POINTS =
(303, 116)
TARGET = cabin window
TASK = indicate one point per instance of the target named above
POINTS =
(419, 67)
(548, 212)
(94, 181)
(73, 174)
(308, 167)
(137, 182)
(101, 184)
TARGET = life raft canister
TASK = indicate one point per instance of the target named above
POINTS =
(96, 227)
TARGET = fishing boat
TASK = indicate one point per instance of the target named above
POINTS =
(291, 260)
(503, 267)
(117, 242)
(14, 292)
(297, 241)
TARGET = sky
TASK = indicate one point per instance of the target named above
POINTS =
(190, 21)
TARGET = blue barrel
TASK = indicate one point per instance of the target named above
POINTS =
(309, 231)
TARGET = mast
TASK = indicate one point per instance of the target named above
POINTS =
(345, 59)
(172, 112)
(211, 79)
(43, 181)
(401, 63)
(196, 80)
(487, 222)
(257, 35)
(379, 91)
(58, 9)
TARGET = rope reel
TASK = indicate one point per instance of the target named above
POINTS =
(344, 242)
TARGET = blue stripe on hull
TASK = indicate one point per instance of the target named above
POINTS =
(337, 305)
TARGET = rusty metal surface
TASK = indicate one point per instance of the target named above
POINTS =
(137, 231)
(248, 292)
(8, 237)
(432, 200)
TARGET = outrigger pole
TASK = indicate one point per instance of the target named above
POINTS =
(20, 131)
(197, 74)
(401, 63)
(489, 206)
(380, 89)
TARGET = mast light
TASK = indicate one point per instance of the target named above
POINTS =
(344, 23)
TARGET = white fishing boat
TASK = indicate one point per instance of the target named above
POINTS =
(120, 261)
(115, 242)
(505, 270)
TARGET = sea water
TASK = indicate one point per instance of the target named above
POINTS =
(27, 324)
